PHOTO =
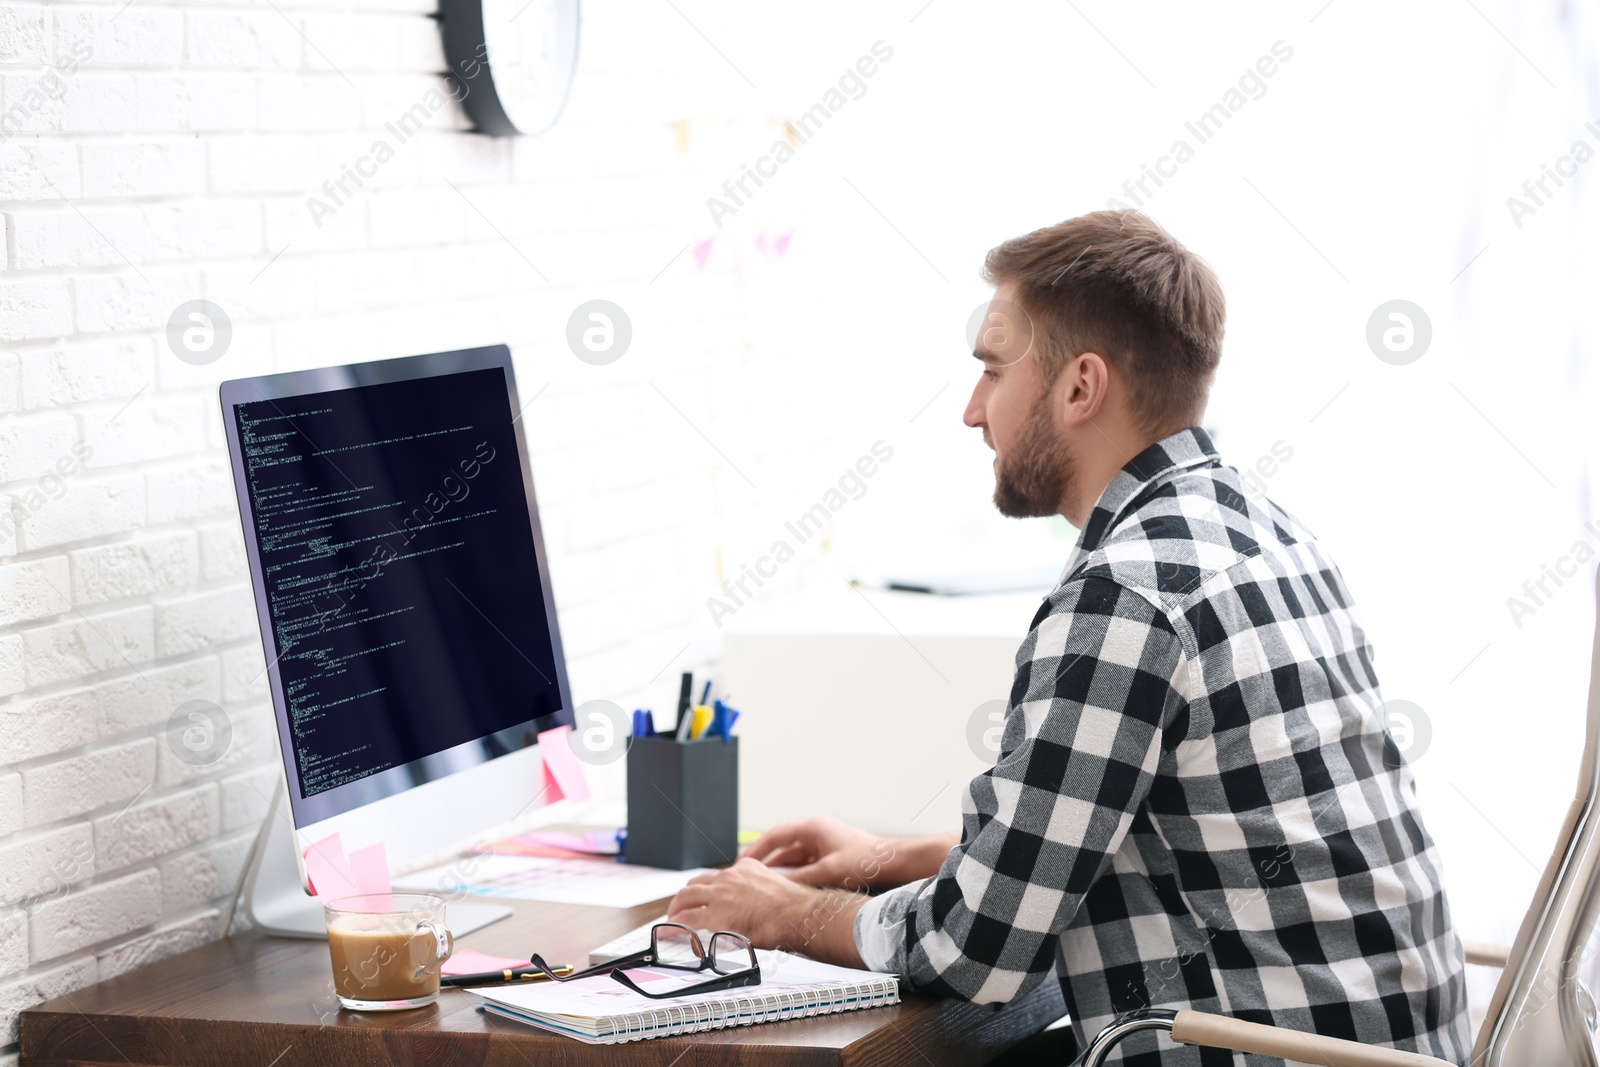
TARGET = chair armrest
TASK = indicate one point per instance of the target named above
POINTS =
(1219, 1031)
(1482, 952)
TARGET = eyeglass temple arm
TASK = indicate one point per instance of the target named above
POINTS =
(710, 985)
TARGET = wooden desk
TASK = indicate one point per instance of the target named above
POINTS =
(252, 1001)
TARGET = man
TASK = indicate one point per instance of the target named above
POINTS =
(1196, 803)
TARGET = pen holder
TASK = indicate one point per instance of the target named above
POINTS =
(683, 802)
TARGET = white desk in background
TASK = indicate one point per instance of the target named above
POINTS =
(858, 702)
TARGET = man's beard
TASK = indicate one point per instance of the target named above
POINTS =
(1036, 478)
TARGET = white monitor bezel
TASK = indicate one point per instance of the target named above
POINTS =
(441, 799)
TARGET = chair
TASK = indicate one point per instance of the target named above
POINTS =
(1541, 1014)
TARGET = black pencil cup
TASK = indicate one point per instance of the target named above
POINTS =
(683, 802)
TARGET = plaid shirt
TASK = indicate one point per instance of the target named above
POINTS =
(1196, 803)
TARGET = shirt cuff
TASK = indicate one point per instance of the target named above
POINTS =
(880, 928)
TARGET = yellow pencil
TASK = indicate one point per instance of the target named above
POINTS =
(700, 723)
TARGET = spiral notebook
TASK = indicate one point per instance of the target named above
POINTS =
(600, 1010)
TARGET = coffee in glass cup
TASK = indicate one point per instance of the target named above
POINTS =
(387, 949)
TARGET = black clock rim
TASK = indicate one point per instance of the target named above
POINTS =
(462, 31)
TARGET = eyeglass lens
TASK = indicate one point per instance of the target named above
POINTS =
(730, 953)
(678, 946)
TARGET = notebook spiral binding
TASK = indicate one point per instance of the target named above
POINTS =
(744, 1009)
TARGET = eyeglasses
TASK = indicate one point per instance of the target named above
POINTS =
(676, 947)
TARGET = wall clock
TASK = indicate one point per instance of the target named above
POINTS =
(512, 60)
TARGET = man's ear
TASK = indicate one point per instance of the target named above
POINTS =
(1083, 387)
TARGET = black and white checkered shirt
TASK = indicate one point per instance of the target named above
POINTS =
(1196, 803)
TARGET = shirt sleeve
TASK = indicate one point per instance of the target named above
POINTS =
(1100, 682)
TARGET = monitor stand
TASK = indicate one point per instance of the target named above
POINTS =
(276, 903)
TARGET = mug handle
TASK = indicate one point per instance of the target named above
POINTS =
(444, 943)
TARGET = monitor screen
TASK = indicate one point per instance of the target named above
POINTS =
(399, 572)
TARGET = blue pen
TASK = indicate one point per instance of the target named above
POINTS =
(723, 719)
(705, 694)
(649, 723)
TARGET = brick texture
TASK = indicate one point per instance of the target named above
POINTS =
(166, 152)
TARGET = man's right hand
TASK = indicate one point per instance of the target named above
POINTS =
(823, 851)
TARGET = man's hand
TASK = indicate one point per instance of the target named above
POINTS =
(751, 898)
(826, 852)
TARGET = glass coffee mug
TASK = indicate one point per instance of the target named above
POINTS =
(387, 949)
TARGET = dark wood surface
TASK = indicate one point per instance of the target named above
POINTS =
(253, 1001)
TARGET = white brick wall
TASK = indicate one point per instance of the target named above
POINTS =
(73, 921)
(174, 162)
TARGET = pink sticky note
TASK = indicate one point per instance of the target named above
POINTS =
(563, 774)
(552, 788)
(471, 961)
(369, 869)
(598, 843)
(329, 870)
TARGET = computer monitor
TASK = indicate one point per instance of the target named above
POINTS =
(403, 592)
